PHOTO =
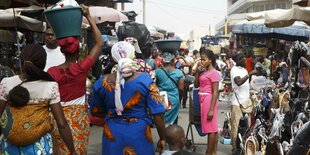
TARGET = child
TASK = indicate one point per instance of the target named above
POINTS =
(175, 137)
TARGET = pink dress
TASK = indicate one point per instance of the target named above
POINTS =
(205, 95)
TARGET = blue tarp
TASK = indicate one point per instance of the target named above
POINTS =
(257, 27)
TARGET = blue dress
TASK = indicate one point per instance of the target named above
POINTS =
(164, 83)
(129, 133)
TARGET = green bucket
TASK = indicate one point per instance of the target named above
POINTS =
(65, 22)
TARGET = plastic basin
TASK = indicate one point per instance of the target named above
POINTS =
(168, 45)
(65, 22)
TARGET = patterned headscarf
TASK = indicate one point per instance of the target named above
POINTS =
(123, 53)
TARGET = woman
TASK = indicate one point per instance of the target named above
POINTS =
(170, 80)
(26, 99)
(207, 78)
(125, 99)
(71, 77)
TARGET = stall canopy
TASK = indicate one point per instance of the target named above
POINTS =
(7, 20)
(283, 18)
(297, 31)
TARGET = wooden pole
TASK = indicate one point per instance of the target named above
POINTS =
(123, 6)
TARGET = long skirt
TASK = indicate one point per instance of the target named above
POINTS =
(78, 121)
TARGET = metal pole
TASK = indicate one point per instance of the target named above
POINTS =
(144, 13)
(17, 39)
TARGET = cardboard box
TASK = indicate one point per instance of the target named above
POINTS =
(225, 141)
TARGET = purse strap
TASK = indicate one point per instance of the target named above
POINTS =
(237, 98)
(170, 77)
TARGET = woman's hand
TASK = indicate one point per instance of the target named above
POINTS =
(210, 115)
(85, 10)
(161, 146)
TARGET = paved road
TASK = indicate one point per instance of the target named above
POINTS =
(96, 134)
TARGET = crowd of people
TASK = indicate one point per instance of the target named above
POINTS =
(127, 97)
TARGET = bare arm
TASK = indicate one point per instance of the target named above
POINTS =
(196, 82)
(181, 88)
(240, 81)
(63, 127)
(215, 90)
(96, 50)
(160, 126)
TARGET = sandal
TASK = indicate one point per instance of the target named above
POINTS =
(251, 146)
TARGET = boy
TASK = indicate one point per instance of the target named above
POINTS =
(175, 137)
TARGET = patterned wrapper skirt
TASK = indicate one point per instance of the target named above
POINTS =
(41, 146)
(78, 121)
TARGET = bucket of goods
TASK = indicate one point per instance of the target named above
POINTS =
(65, 21)
(169, 45)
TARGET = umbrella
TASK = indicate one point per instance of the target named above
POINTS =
(7, 19)
(283, 18)
(105, 14)
(297, 31)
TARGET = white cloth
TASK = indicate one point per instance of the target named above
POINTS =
(167, 152)
(189, 60)
(78, 101)
(123, 53)
(243, 91)
(220, 64)
(54, 57)
(40, 91)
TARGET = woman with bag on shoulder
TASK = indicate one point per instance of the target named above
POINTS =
(241, 93)
(25, 101)
(170, 80)
(207, 79)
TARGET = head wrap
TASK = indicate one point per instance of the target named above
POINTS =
(134, 42)
(123, 53)
(168, 57)
(69, 44)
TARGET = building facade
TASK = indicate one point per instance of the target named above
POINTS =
(196, 35)
(237, 10)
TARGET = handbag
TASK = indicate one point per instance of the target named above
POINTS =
(246, 106)
(166, 103)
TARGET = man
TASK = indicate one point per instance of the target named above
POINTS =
(249, 61)
(241, 92)
(54, 57)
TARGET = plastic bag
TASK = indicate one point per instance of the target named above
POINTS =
(136, 30)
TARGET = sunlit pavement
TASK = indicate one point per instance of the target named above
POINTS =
(96, 134)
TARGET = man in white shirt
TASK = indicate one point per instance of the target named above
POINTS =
(54, 57)
(241, 92)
